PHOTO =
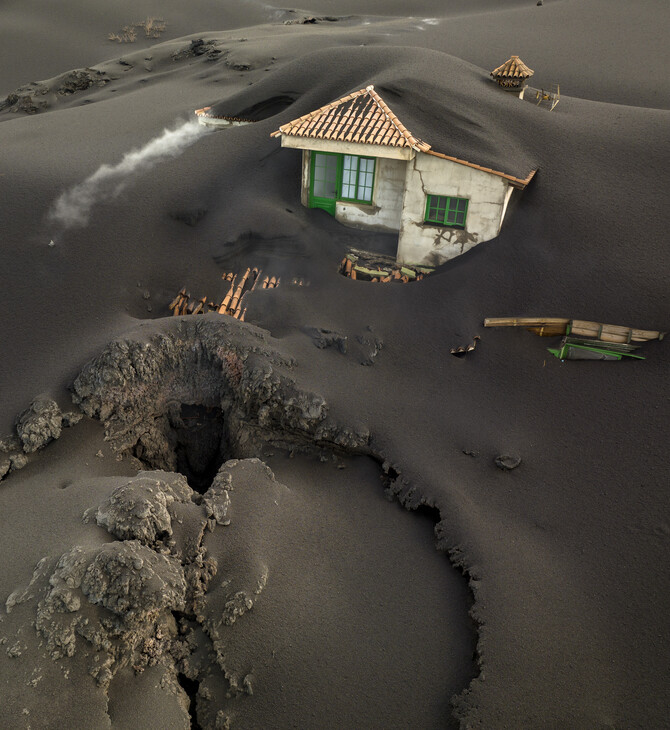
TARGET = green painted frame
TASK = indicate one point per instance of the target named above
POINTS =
(374, 173)
(448, 209)
(328, 204)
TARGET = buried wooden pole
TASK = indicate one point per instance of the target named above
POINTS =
(228, 297)
(238, 291)
(177, 299)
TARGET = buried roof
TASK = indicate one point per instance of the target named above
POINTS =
(364, 117)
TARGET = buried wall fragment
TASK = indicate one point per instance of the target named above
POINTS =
(376, 267)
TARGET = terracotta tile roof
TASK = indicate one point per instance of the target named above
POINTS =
(513, 68)
(362, 117)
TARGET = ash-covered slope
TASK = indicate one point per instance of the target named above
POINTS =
(564, 554)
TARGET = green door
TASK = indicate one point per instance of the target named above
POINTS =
(323, 181)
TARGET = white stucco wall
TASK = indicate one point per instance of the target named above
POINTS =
(423, 243)
(387, 196)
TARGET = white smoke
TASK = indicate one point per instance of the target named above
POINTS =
(73, 207)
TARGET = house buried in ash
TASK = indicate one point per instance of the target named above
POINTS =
(363, 166)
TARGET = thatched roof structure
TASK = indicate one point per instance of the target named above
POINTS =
(512, 74)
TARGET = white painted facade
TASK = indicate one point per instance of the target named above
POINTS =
(425, 243)
(403, 180)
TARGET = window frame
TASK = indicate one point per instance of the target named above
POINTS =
(448, 208)
(339, 182)
(357, 184)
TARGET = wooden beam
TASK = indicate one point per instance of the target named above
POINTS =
(524, 321)
(559, 325)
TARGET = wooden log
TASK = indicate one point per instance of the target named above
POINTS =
(177, 299)
(549, 330)
(524, 321)
(228, 297)
(238, 292)
(176, 310)
(236, 298)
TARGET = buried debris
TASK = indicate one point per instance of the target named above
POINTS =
(551, 326)
(461, 351)
(582, 340)
(507, 462)
(232, 303)
(376, 267)
(574, 348)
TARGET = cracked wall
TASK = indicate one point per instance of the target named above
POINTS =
(422, 243)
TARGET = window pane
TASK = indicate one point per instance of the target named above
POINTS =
(366, 169)
(446, 210)
(325, 175)
(349, 168)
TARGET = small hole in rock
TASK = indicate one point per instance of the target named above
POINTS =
(198, 438)
(201, 444)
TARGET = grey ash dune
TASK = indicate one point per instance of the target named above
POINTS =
(563, 556)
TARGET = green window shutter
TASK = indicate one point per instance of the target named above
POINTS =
(443, 210)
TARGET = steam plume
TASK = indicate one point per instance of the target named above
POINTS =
(73, 207)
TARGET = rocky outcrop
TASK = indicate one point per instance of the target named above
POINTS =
(143, 508)
(38, 425)
(39, 95)
(143, 599)
(137, 388)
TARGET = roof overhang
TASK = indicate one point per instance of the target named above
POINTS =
(515, 182)
(347, 148)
